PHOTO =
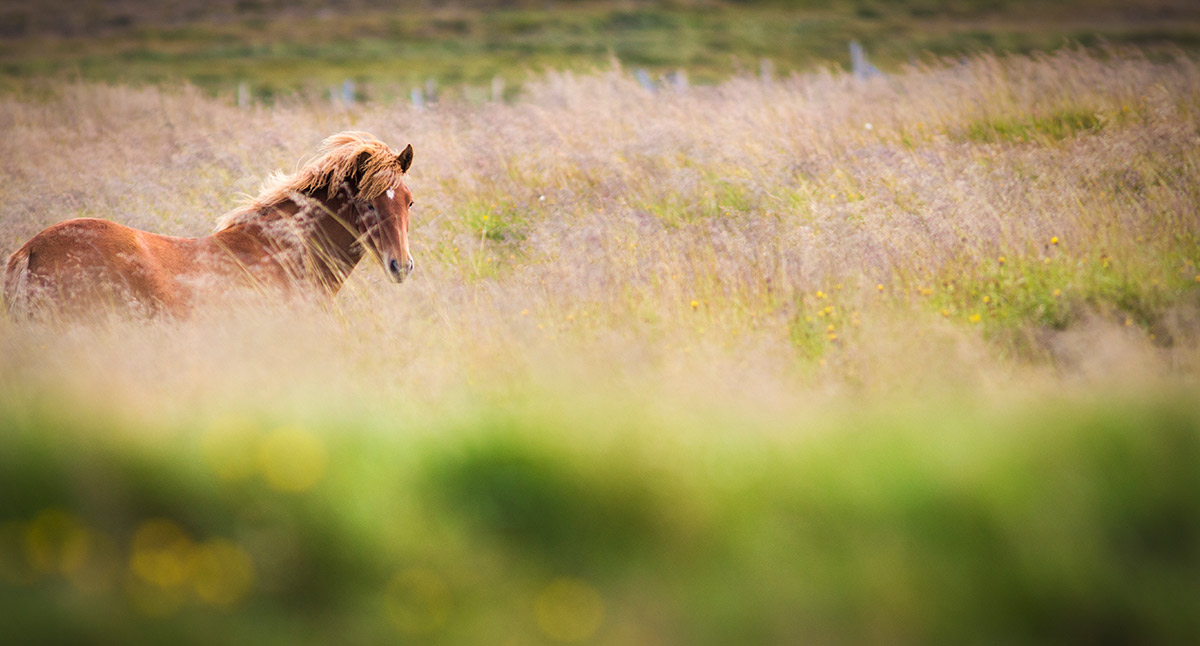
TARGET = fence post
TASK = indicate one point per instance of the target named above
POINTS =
(766, 70)
(678, 80)
(862, 68)
(644, 79)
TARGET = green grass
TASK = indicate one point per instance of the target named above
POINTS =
(388, 52)
(1054, 521)
(1054, 127)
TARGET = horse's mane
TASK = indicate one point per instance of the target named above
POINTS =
(337, 159)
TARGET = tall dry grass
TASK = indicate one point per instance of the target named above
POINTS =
(982, 224)
(897, 361)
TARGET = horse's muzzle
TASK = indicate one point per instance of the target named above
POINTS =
(399, 272)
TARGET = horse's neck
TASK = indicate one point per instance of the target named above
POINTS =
(314, 239)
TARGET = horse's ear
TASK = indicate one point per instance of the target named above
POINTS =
(405, 159)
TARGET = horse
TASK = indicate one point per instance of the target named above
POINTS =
(304, 233)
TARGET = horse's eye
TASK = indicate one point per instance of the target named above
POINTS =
(410, 205)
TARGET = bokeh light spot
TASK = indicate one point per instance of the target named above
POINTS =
(292, 460)
(222, 572)
(161, 553)
(57, 542)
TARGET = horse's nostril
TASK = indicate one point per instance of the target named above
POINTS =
(411, 265)
(394, 266)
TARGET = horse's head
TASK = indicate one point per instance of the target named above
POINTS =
(382, 220)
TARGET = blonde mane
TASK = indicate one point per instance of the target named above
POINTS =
(337, 159)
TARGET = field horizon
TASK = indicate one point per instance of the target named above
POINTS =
(266, 50)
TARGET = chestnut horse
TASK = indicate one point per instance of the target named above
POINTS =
(304, 233)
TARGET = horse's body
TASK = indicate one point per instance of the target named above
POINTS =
(304, 233)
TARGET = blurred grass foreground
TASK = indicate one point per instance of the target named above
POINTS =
(907, 359)
(1067, 524)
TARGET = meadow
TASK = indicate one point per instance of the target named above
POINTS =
(278, 48)
(907, 359)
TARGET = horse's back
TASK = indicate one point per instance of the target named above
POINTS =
(84, 263)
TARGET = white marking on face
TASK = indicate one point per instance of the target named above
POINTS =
(391, 193)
